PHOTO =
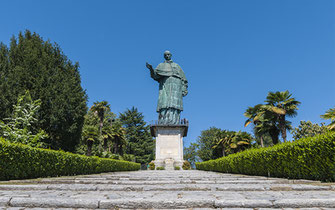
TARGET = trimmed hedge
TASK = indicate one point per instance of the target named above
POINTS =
(308, 158)
(18, 161)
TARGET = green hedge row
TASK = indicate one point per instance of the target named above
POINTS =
(308, 158)
(18, 161)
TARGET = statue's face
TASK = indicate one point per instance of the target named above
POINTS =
(167, 56)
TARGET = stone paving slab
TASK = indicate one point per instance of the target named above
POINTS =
(166, 190)
(169, 187)
(174, 195)
(54, 203)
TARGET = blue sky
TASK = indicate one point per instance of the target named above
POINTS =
(232, 52)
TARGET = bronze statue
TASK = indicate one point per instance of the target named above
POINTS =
(172, 88)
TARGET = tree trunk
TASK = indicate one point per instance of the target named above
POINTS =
(89, 148)
(100, 128)
(116, 148)
(262, 143)
(282, 127)
(274, 133)
(120, 149)
(100, 131)
(223, 152)
(105, 144)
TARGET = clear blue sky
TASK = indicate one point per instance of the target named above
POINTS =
(232, 52)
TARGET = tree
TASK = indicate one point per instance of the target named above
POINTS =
(110, 131)
(330, 115)
(308, 129)
(140, 142)
(232, 142)
(118, 138)
(206, 141)
(282, 105)
(191, 154)
(90, 135)
(215, 143)
(19, 127)
(254, 115)
(30, 63)
(241, 141)
(99, 108)
(223, 140)
(270, 118)
(264, 122)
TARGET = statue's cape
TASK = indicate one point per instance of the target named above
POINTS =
(170, 69)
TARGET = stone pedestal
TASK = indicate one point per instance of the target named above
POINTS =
(169, 145)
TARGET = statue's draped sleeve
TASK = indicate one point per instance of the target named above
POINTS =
(172, 85)
(154, 75)
(185, 82)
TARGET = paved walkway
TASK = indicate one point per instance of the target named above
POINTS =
(166, 189)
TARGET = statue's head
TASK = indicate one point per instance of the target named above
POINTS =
(167, 55)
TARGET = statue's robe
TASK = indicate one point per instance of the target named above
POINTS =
(172, 85)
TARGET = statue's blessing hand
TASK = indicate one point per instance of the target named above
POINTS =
(148, 66)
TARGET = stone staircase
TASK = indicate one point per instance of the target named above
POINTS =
(166, 190)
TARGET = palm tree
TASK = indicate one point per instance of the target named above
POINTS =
(222, 140)
(119, 140)
(330, 115)
(107, 135)
(240, 141)
(232, 142)
(281, 104)
(99, 108)
(90, 134)
(264, 123)
(256, 115)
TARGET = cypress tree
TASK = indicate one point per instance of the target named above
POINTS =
(140, 142)
(41, 67)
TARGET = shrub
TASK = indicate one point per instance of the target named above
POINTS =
(186, 165)
(18, 161)
(307, 158)
(176, 168)
(152, 166)
(160, 168)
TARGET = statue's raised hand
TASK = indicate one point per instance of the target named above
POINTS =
(149, 66)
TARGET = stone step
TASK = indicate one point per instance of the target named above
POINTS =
(154, 182)
(165, 190)
(166, 204)
(170, 187)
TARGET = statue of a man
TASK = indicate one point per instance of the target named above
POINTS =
(172, 89)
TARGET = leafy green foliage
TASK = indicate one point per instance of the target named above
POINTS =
(264, 124)
(214, 143)
(307, 158)
(42, 68)
(140, 142)
(264, 140)
(191, 154)
(160, 168)
(186, 165)
(90, 135)
(112, 135)
(99, 108)
(308, 129)
(20, 161)
(282, 105)
(152, 166)
(330, 115)
(206, 141)
(270, 118)
(176, 168)
(19, 127)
